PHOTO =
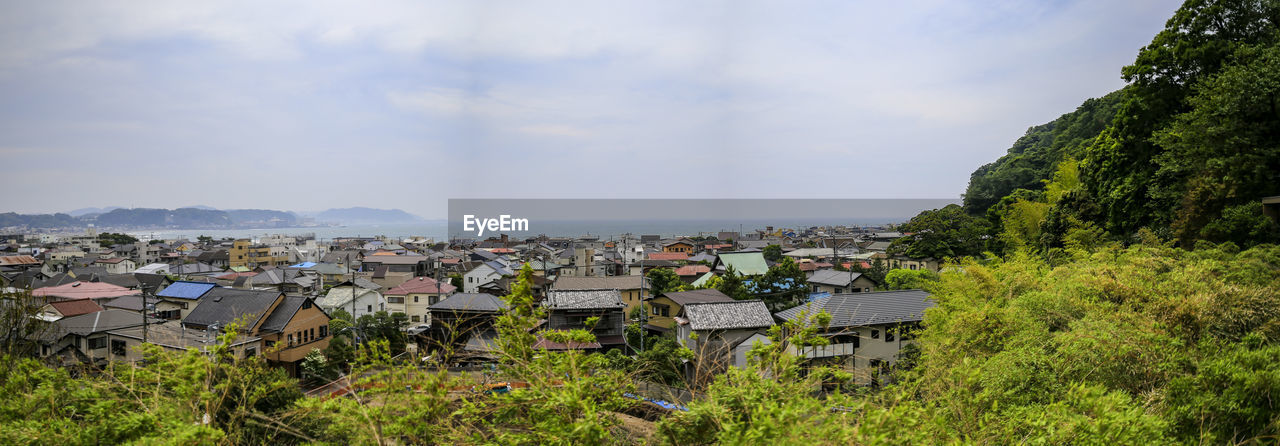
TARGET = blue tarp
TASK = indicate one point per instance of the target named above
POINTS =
(820, 295)
(186, 290)
(659, 403)
(304, 265)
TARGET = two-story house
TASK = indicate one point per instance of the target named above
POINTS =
(414, 297)
(629, 287)
(663, 309)
(720, 334)
(839, 282)
(571, 309)
(867, 330)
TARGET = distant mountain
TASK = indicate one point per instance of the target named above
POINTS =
(85, 211)
(10, 219)
(363, 215)
(262, 217)
(180, 218)
(202, 207)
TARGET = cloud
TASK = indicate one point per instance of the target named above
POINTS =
(371, 102)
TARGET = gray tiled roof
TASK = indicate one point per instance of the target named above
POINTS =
(479, 302)
(833, 277)
(572, 299)
(224, 305)
(738, 314)
(859, 309)
(283, 314)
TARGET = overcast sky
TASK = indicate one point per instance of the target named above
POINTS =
(313, 105)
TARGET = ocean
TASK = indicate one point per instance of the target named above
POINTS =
(439, 229)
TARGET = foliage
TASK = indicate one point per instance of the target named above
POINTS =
(772, 253)
(383, 326)
(781, 287)
(113, 239)
(942, 234)
(663, 280)
(731, 284)
(19, 326)
(910, 279)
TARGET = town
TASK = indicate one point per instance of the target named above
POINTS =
(104, 294)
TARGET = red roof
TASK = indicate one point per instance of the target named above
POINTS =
(502, 250)
(18, 260)
(234, 275)
(692, 270)
(70, 308)
(668, 256)
(421, 285)
(84, 290)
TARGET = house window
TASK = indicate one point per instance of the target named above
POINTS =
(311, 335)
(250, 352)
(370, 309)
(117, 347)
(415, 299)
(414, 318)
(97, 343)
(888, 335)
(290, 339)
(875, 334)
(306, 303)
(324, 331)
(839, 290)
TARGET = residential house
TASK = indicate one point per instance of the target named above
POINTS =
(83, 339)
(680, 245)
(570, 309)
(867, 330)
(415, 265)
(721, 333)
(116, 265)
(482, 274)
(466, 320)
(358, 297)
(247, 254)
(838, 282)
(414, 297)
(663, 309)
(95, 291)
(54, 311)
(630, 288)
(177, 300)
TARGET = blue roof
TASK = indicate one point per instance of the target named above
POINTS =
(186, 290)
(304, 265)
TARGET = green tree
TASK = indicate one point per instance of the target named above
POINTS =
(910, 279)
(663, 280)
(731, 284)
(773, 253)
(113, 239)
(943, 233)
(783, 286)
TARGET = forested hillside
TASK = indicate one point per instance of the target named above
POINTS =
(1186, 150)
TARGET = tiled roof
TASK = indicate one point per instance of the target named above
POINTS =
(70, 308)
(420, 285)
(225, 305)
(692, 270)
(738, 314)
(598, 283)
(18, 260)
(698, 296)
(833, 277)
(859, 309)
(574, 299)
(84, 290)
(101, 321)
(668, 256)
(284, 312)
(479, 302)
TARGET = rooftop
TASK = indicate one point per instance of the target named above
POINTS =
(734, 314)
(575, 299)
(859, 309)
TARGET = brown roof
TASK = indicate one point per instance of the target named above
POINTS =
(18, 260)
(692, 270)
(668, 256)
(70, 308)
(598, 283)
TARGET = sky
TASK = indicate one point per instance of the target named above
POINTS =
(312, 105)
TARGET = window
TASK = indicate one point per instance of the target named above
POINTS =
(370, 309)
(415, 299)
(250, 352)
(888, 335)
(324, 331)
(117, 347)
(415, 318)
(875, 334)
(306, 303)
(311, 336)
(839, 290)
(290, 339)
(97, 343)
